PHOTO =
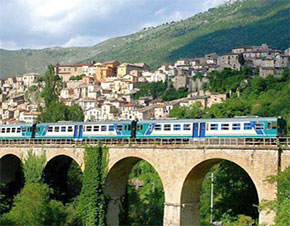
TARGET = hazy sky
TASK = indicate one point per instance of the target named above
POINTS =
(47, 23)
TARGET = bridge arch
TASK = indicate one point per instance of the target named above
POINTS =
(192, 183)
(11, 173)
(74, 155)
(63, 174)
(15, 153)
(117, 179)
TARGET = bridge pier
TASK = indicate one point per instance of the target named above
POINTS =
(171, 214)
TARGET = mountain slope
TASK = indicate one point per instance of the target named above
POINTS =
(247, 22)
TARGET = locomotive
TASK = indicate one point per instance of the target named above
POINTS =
(238, 127)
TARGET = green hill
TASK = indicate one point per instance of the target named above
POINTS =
(247, 22)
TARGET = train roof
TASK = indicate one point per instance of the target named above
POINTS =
(84, 123)
(236, 119)
(15, 125)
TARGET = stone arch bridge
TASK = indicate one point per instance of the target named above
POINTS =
(181, 167)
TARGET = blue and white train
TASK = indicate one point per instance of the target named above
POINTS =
(240, 127)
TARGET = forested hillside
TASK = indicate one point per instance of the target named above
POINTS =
(250, 22)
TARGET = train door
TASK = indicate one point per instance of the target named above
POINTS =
(198, 130)
(202, 129)
(76, 132)
(133, 129)
(195, 130)
(80, 132)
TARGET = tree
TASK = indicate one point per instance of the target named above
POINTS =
(143, 205)
(32, 206)
(4, 203)
(33, 168)
(91, 207)
(75, 113)
(53, 85)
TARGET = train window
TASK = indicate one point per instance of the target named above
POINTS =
(157, 127)
(50, 129)
(269, 125)
(103, 128)
(129, 127)
(88, 128)
(259, 126)
(139, 127)
(63, 129)
(96, 128)
(214, 126)
(186, 127)
(119, 127)
(3, 130)
(207, 126)
(8, 130)
(56, 129)
(111, 128)
(247, 126)
(69, 129)
(167, 127)
(274, 125)
(18, 130)
(236, 126)
(24, 129)
(225, 126)
(150, 126)
(13, 130)
(176, 127)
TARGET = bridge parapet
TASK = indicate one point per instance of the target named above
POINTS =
(190, 143)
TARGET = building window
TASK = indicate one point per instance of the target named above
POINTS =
(225, 126)
(236, 126)
(214, 126)
(247, 126)
(176, 127)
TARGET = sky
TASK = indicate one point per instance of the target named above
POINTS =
(39, 24)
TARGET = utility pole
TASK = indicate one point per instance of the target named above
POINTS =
(211, 198)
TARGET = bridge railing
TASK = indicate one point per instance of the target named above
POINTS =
(208, 142)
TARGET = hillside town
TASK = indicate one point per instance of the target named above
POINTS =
(106, 91)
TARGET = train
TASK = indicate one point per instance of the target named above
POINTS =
(238, 127)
